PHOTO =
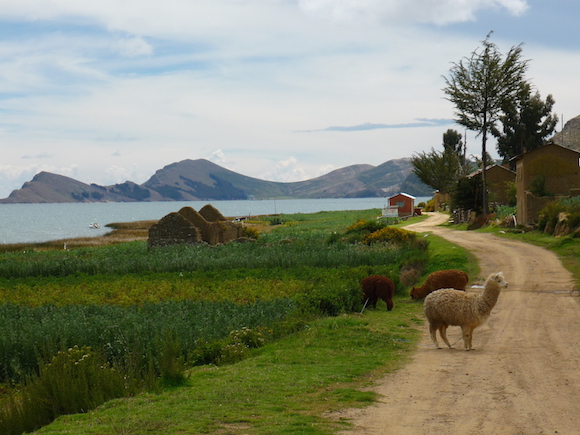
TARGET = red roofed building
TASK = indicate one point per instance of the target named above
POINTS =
(405, 204)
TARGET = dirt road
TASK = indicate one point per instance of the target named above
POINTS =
(523, 376)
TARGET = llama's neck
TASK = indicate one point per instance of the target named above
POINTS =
(491, 293)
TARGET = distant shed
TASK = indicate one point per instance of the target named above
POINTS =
(404, 202)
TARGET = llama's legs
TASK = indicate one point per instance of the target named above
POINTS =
(433, 332)
(467, 336)
(443, 332)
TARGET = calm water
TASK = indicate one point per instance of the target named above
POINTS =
(24, 223)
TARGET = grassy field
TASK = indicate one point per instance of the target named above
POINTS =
(262, 338)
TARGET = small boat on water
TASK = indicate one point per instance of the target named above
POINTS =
(94, 225)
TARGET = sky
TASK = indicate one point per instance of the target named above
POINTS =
(283, 90)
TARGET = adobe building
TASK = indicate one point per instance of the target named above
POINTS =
(560, 168)
(497, 180)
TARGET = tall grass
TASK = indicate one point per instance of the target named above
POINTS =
(566, 209)
(134, 258)
(29, 334)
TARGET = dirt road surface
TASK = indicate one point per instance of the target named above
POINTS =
(523, 376)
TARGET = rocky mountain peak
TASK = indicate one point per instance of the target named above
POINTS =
(570, 135)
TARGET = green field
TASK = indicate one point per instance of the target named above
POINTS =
(262, 337)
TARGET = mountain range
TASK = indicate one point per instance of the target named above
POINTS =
(201, 180)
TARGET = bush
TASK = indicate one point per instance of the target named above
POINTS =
(548, 217)
(504, 211)
(356, 232)
(430, 206)
(365, 226)
(392, 235)
(250, 232)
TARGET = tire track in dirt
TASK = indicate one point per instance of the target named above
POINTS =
(522, 377)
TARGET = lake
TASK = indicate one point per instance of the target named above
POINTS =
(28, 223)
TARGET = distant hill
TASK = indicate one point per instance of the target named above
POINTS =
(202, 180)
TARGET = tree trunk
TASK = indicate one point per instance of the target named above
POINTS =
(485, 207)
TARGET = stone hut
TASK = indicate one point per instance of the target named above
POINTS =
(209, 231)
(228, 230)
(498, 179)
(211, 214)
(209, 224)
(173, 229)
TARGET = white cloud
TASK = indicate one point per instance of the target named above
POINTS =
(12, 177)
(285, 171)
(218, 157)
(323, 170)
(133, 47)
(407, 12)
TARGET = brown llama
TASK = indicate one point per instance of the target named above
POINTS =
(377, 287)
(449, 278)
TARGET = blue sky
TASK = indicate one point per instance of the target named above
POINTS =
(285, 90)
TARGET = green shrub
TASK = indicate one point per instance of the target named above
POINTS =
(252, 338)
(232, 353)
(504, 211)
(548, 217)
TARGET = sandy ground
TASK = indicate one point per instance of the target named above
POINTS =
(523, 376)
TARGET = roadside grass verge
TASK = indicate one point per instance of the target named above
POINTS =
(286, 387)
(446, 255)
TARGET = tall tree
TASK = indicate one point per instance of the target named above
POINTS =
(440, 170)
(452, 141)
(526, 122)
(478, 85)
